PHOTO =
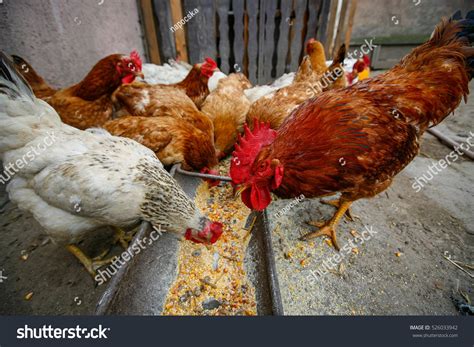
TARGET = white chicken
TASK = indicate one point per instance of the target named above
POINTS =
(168, 73)
(174, 72)
(82, 180)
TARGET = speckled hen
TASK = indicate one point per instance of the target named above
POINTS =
(86, 179)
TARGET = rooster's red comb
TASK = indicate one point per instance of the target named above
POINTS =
(247, 149)
(135, 57)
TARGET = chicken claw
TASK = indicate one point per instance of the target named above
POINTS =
(90, 264)
(328, 228)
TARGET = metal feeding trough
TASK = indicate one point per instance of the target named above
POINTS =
(141, 286)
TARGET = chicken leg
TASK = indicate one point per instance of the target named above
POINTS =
(123, 238)
(328, 228)
(91, 265)
(335, 202)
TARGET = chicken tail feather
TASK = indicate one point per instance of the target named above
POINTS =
(12, 82)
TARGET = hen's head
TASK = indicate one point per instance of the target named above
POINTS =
(129, 67)
(314, 47)
(252, 169)
(208, 233)
(208, 67)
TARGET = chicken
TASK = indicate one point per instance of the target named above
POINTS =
(41, 89)
(355, 140)
(172, 139)
(88, 103)
(227, 107)
(172, 72)
(84, 180)
(277, 106)
(195, 83)
(313, 65)
(144, 100)
(360, 70)
(257, 92)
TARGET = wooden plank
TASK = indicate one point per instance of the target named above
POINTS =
(269, 46)
(284, 39)
(329, 43)
(150, 31)
(238, 6)
(314, 7)
(341, 27)
(179, 35)
(350, 23)
(299, 6)
(201, 30)
(252, 47)
(261, 40)
(223, 7)
(321, 30)
(165, 36)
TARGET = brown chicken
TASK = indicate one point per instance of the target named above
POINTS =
(309, 82)
(88, 103)
(145, 100)
(142, 99)
(195, 83)
(41, 89)
(172, 139)
(354, 140)
(227, 107)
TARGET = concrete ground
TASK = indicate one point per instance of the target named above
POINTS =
(399, 269)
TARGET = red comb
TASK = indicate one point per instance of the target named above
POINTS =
(247, 149)
(208, 67)
(135, 57)
(366, 60)
(210, 63)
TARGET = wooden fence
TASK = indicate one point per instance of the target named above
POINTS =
(262, 38)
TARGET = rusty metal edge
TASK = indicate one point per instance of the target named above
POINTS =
(107, 297)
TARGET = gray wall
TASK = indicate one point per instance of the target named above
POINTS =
(63, 39)
(374, 18)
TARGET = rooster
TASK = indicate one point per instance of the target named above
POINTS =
(276, 107)
(373, 128)
(87, 179)
(227, 107)
(88, 103)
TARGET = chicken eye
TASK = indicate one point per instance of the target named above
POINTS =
(131, 66)
(263, 166)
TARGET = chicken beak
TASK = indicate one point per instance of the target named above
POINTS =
(240, 190)
(140, 74)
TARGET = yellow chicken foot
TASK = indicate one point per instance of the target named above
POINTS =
(335, 203)
(90, 264)
(328, 228)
